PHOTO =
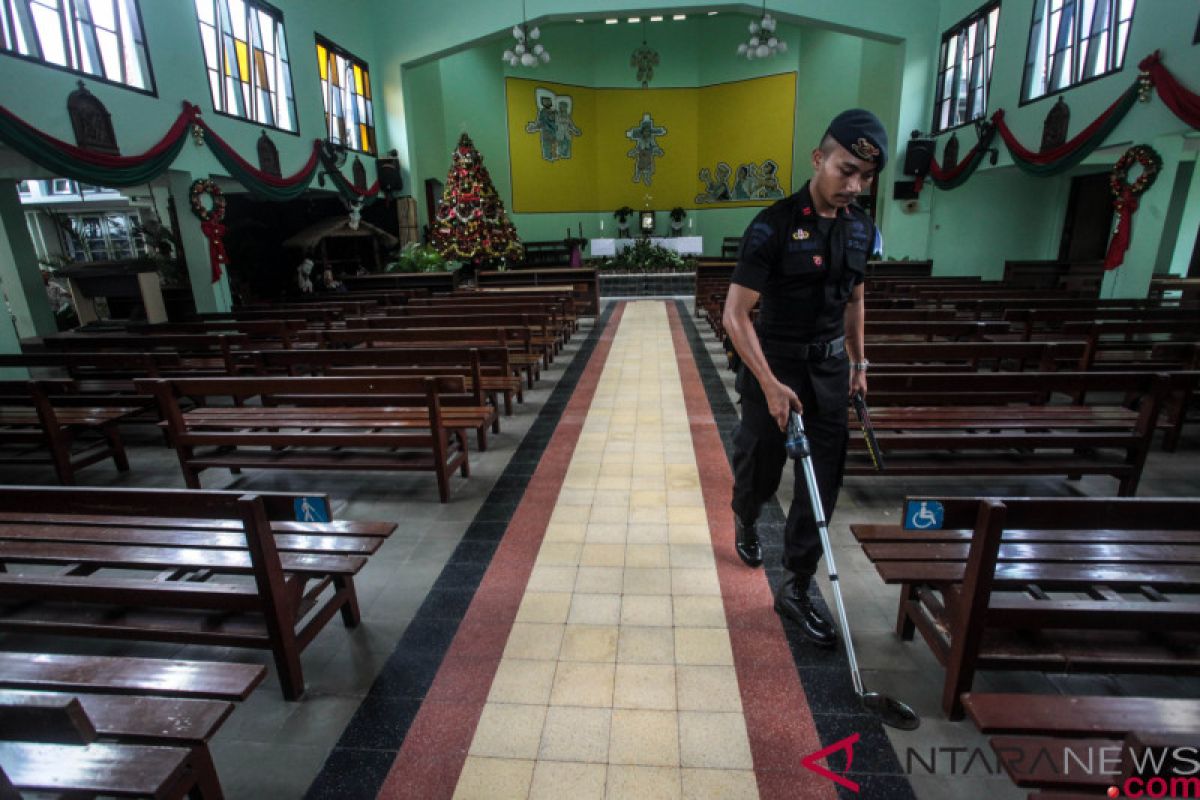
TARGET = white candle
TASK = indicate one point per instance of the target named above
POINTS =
(601, 224)
(689, 223)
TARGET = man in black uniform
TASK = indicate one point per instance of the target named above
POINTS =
(805, 258)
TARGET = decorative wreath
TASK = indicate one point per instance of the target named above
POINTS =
(1151, 163)
(206, 186)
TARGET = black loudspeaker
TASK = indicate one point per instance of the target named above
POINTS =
(904, 190)
(917, 156)
(388, 170)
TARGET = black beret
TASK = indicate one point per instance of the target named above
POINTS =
(861, 132)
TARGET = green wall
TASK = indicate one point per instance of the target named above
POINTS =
(694, 52)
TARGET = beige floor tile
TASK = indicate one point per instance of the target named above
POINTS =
(583, 684)
(576, 734)
(654, 580)
(637, 645)
(547, 578)
(646, 610)
(643, 783)
(613, 483)
(648, 467)
(713, 740)
(689, 534)
(645, 738)
(508, 731)
(606, 533)
(602, 555)
(647, 555)
(703, 647)
(575, 497)
(616, 470)
(647, 499)
(493, 778)
(645, 686)
(716, 784)
(563, 780)
(689, 580)
(699, 611)
(691, 515)
(609, 514)
(522, 681)
(692, 556)
(689, 498)
(600, 580)
(534, 640)
(611, 497)
(656, 516)
(549, 607)
(589, 643)
(708, 689)
(570, 514)
(558, 554)
(565, 532)
(647, 534)
(595, 609)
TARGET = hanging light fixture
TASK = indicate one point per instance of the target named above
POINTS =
(763, 42)
(644, 60)
(527, 51)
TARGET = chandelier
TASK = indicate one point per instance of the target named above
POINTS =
(527, 51)
(763, 42)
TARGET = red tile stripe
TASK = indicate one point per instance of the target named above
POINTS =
(778, 719)
(431, 759)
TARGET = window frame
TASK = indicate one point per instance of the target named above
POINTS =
(1023, 101)
(939, 81)
(272, 11)
(151, 89)
(330, 47)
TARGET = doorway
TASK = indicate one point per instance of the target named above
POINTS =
(1089, 219)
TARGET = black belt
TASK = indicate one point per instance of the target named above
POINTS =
(815, 351)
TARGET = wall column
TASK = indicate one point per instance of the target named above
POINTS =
(209, 296)
(19, 270)
(1189, 223)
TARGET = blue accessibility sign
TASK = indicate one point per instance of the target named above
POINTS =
(920, 515)
(311, 509)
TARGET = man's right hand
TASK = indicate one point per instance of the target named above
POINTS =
(780, 400)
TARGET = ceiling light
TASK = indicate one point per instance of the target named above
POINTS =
(712, 13)
(679, 17)
(657, 18)
(579, 20)
(635, 19)
(763, 42)
(611, 21)
(527, 51)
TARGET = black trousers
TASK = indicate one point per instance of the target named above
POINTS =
(759, 455)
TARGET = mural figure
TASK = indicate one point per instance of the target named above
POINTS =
(564, 126)
(645, 148)
(750, 182)
(553, 124)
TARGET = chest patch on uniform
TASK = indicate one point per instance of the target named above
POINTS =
(800, 234)
(818, 260)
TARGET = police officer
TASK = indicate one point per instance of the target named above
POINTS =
(804, 259)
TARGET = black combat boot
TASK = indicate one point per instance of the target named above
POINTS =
(792, 602)
(749, 549)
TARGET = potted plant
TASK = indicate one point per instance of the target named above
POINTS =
(623, 214)
(677, 215)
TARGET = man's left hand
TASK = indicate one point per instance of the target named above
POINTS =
(858, 382)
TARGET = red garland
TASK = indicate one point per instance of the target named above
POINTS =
(1182, 102)
(1063, 150)
(214, 231)
(178, 128)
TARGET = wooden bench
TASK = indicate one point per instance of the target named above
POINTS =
(581, 282)
(43, 429)
(975, 356)
(955, 423)
(1064, 585)
(130, 675)
(227, 569)
(543, 333)
(1084, 744)
(561, 312)
(323, 423)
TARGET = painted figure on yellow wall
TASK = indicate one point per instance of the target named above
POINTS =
(645, 148)
(554, 124)
(564, 126)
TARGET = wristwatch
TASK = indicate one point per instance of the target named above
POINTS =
(860, 366)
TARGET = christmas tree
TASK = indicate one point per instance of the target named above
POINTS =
(471, 224)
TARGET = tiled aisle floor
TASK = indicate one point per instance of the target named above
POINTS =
(617, 679)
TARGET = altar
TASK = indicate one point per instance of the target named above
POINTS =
(684, 245)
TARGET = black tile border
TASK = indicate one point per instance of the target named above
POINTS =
(356, 770)
(824, 674)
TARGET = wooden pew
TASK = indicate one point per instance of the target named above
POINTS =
(996, 583)
(44, 429)
(193, 590)
(953, 423)
(561, 313)
(1042, 356)
(130, 675)
(389, 424)
(543, 332)
(581, 282)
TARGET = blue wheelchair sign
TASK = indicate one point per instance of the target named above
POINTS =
(920, 515)
(311, 509)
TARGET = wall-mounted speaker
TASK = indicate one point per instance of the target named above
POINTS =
(917, 156)
(904, 190)
(388, 171)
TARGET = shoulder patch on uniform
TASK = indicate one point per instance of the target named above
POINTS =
(756, 234)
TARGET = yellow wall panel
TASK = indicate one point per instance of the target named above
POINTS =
(735, 123)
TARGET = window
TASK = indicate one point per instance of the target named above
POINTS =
(105, 236)
(246, 54)
(23, 187)
(346, 90)
(62, 186)
(1073, 41)
(101, 38)
(965, 69)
